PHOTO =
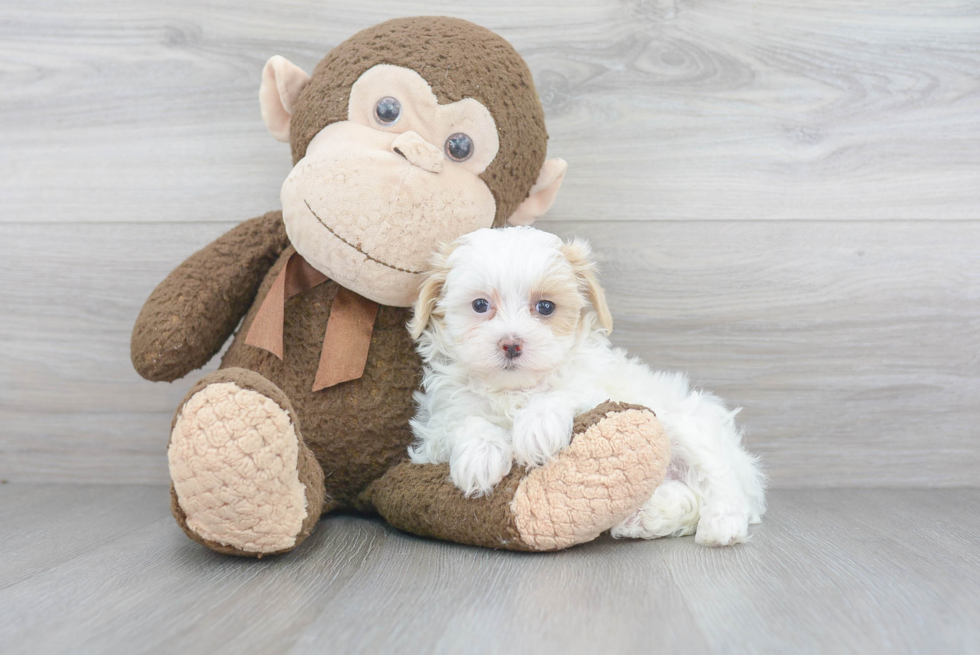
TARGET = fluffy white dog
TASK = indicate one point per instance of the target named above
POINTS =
(512, 327)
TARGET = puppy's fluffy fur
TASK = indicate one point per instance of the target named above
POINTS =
(504, 378)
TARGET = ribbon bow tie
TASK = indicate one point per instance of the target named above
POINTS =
(349, 328)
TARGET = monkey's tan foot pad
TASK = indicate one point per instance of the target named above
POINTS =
(236, 461)
(618, 456)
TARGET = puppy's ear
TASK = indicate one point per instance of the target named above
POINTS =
(430, 290)
(579, 255)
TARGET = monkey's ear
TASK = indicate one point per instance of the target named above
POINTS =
(542, 194)
(282, 82)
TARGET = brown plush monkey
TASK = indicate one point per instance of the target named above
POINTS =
(408, 134)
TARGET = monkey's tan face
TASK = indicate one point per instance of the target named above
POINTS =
(375, 194)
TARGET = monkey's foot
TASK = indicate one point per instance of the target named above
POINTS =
(618, 456)
(243, 481)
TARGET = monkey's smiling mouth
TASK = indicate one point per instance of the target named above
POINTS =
(357, 248)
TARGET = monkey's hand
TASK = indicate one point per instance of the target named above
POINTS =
(191, 314)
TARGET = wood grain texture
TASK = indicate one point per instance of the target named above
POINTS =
(851, 346)
(130, 136)
(123, 110)
(828, 571)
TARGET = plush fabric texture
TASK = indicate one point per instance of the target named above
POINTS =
(281, 80)
(618, 455)
(459, 60)
(423, 500)
(359, 429)
(422, 114)
(420, 152)
(611, 467)
(369, 219)
(191, 314)
(348, 336)
(243, 481)
(585, 421)
(233, 458)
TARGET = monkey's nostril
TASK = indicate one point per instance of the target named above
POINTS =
(418, 152)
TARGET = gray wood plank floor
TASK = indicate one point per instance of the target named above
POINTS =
(104, 569)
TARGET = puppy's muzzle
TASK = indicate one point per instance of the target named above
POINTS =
(512, 347)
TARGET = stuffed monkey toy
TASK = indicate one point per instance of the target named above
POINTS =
(408, 134)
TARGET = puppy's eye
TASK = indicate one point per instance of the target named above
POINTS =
(545, 307)
(459, 147)
(387, 111)
(480, 306)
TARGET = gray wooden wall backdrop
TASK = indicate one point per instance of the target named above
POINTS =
(785, 195)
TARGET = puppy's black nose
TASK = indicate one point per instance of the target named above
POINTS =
(511, 347)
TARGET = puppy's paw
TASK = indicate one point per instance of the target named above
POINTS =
(542, 429)
(722, 526)
(479, 463)
(672, 511)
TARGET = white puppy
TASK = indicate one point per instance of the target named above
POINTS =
(512, 327)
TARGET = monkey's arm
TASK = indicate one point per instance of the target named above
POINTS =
(191, 314)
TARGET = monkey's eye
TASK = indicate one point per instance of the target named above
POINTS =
(480, 306)
(388, 110)
(459, 147)
(545, 307)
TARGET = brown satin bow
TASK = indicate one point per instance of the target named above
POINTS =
(349, 328)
